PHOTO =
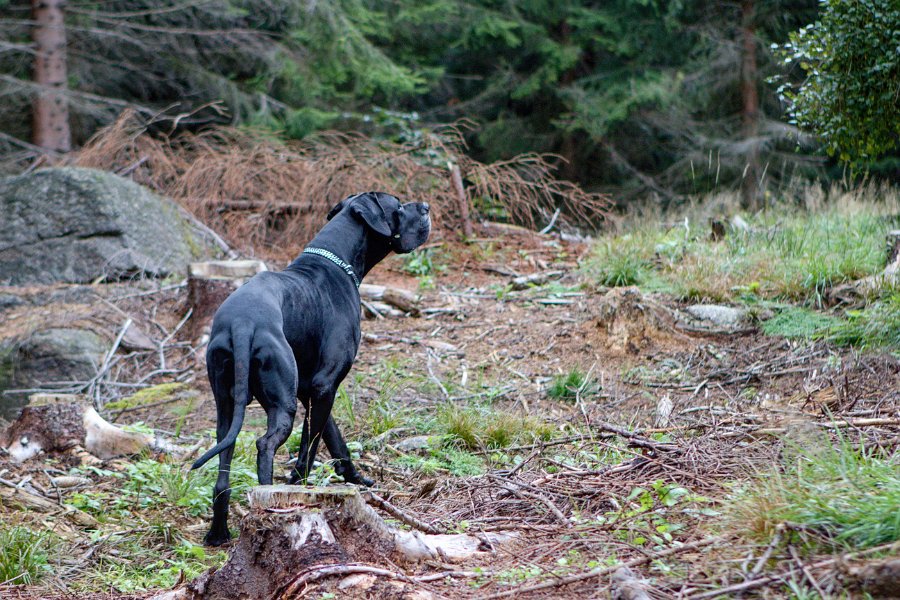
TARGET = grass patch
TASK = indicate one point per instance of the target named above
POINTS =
(478, 427)
(788, 254)
(23, 555)
(800, 323)
(832, 495)
(873, 327)
(624, 261)
(455, 461)
(147, 484)
(876, 326)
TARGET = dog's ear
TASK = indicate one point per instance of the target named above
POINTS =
(370, 209)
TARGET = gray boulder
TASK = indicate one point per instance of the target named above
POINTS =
(76, 225)
(721, 316)
(47, 357)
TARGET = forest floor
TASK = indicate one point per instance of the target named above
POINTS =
(594, 424)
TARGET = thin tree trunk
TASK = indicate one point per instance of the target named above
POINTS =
(750, 192)
(50, 128)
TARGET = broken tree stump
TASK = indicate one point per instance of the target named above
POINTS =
(209, 283)
(292, 530)
(61, 422)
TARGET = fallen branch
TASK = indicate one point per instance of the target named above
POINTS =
(404, 517)
(16, 496)
(637, 440)
(757, 583)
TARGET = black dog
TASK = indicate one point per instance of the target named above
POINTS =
(294, 334)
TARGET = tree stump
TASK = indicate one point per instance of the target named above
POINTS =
(209, 283)
(61, 422)
(291, 532)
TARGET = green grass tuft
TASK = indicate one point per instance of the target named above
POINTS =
(566, 387)
(23, 555)
(482, 427)
(876, 326)
(836, 496)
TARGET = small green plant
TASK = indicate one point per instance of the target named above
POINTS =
(455, 461)
(568, 386)
(829, 494)
(343, 407)
(23, 555)
(382, 415)
(648, 515)
(422, 263)
(323, 474)
(143, 572)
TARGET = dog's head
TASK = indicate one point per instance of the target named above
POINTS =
(405, 226)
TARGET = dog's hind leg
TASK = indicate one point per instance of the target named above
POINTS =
(278, 380)
(218, 532)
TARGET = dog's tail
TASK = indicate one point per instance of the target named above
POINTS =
(241, 343)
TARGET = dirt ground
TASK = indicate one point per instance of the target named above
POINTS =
(676, 409)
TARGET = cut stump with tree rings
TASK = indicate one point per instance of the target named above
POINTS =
(291, 529)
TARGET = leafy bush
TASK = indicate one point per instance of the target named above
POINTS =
(849, 98)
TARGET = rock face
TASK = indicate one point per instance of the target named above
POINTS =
(52, 355)
(75, 225)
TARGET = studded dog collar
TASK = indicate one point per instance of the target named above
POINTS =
(336, 260)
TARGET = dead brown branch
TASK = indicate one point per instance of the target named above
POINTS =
(269, 197)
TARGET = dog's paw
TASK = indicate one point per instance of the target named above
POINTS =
(217, 538)
(358, 479)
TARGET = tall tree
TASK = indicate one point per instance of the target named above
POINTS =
(50, 121)
(750, 109)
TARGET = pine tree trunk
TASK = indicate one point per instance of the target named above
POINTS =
(750, 192)
(50, 128)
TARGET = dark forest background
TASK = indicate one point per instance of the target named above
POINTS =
(646, 99)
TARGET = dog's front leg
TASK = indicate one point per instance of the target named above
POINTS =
(317, 415)
(337, 447)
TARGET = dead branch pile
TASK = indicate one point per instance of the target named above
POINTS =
(271, 197)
